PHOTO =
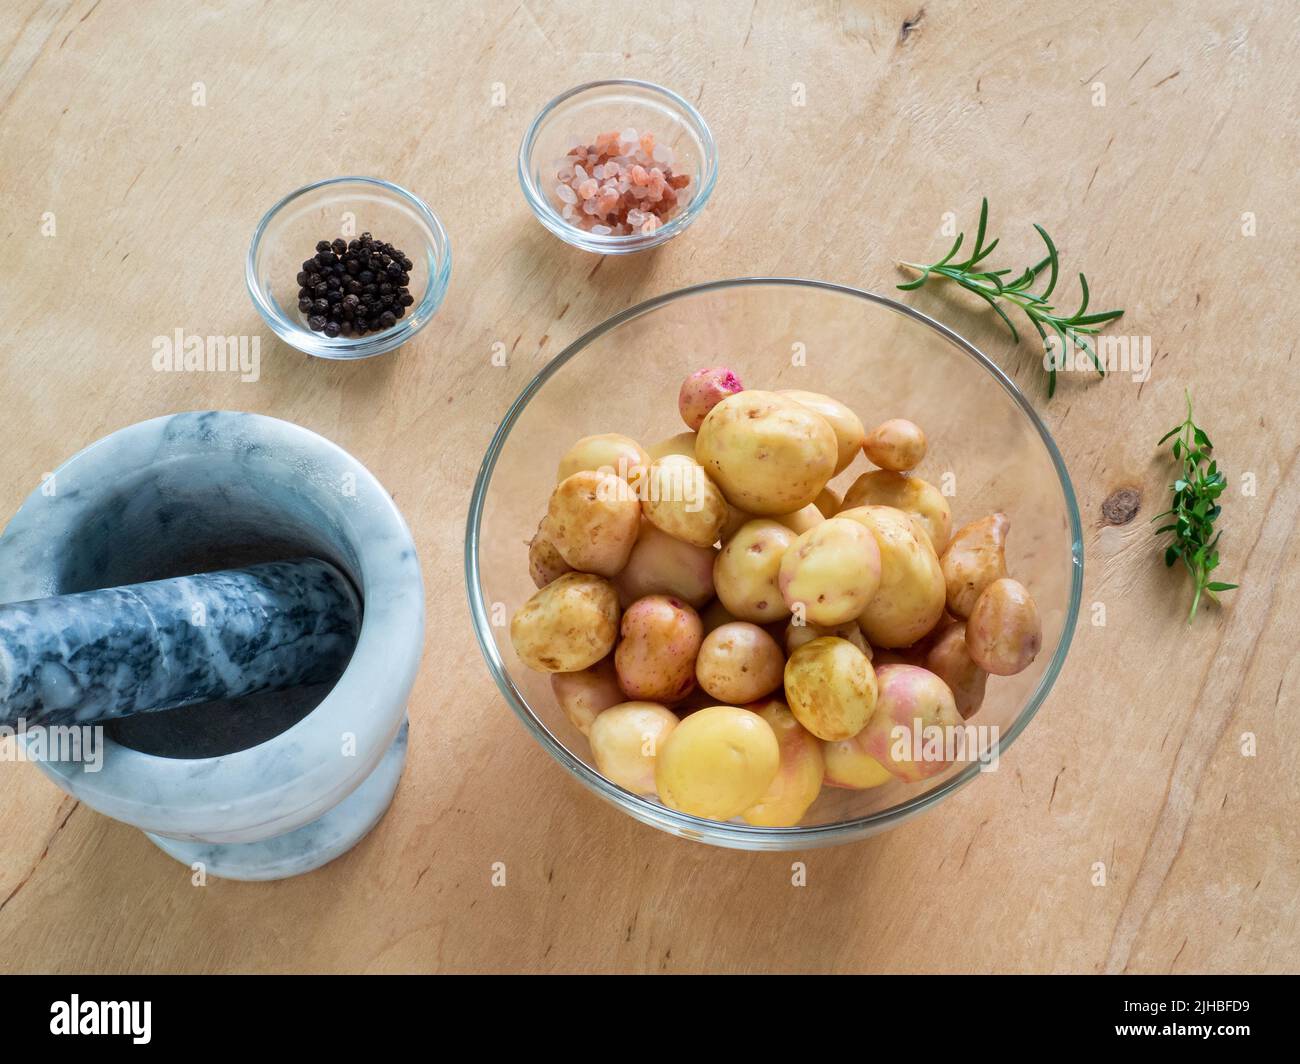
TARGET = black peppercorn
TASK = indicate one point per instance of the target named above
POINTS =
(316, 323)
(351, 287)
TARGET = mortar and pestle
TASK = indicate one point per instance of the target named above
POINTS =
(237, 603)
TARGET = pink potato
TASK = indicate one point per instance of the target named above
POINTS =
(909, 732)
(949, 659)
(661, 564)
(655, 658)
(702, 391)
(585, 694)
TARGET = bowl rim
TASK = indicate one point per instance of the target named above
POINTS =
(618, 244)
(729, 834)
(347, 348)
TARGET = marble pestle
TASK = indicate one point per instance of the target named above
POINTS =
(101, 655)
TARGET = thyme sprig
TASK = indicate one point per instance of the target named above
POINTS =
(1195, 509)
(994, 285)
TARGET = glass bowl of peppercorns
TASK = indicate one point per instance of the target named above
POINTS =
(349, 267)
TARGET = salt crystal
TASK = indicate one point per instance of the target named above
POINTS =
(649, 225)
(568, 212)
(603, 230)
(589, 206)
(580, 173)
(598, 171)
(663, 154)
(566, 193)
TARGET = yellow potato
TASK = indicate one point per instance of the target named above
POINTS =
(796, 635)
(681, 500)
(745, 574)
(768, 454)
(682, 444)
(609, 452)
(626, 740)
(801, 520)
(655, 659)
(832, 571)
(545, 563)
(663, 565)
(799, 779)
(910, 494)
(585, 694)
(717, 762)
(897, 444)
(973, 559)
(567, 625)
(849, 765)
(739, 663)
(831, 688)
(910, 599)
(593, 520)
(828, 502)
(1004, 633)
(908, 733)
(847, 426)
(949, 659)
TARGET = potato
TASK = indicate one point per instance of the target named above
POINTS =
(908, 733)
(849, 765)
(608, 452)
(846, 425)
(626, 740)
(949, 659)
(831, 688)
(745, 574)
(545, 563)
(798, 781)
(585, 694)
(801, 520)
(567, 625)
(768, 454)
(910, 598)
(973, 559)
(739, 663)
(735, 520)
(702, 391)
(593, 520)
(833, 570)
(662, 565)
(717, 763)
(682, 444)
(829, 502)
(1004, 633)
(796, 635)
(896, 444)
(910, 494)
(655, 658)
(681, 500)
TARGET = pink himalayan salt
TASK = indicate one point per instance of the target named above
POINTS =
(622, 184)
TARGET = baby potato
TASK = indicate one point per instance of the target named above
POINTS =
(682, 501)
(949, 659)
(768, 454)
(585, 694)
(847, 426)
(828, 502)
(739, 663)
(626, 740)
(910, 494)
(799, 779)
(717, 762)
(896, 444)
(567, 625)
(702, 391)
(593, 520)
(910, 599)
(745, 574)
(801, 520)
(831, 688)
(849, 765)
(660, 564)
(796, 635)
(833, 570)
(545, 563)
(1004, 633)
(900, 735)
(655, 659)
(973, 559)
(610, 452)
(682, 444)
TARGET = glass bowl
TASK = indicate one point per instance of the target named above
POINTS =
(345, 207)
(987, 449)
(578, 115)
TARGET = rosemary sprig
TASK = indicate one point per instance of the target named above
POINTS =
(995, 285)
(1194, 509)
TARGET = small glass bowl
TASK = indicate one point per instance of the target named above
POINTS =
(345, 206)
(578, 115)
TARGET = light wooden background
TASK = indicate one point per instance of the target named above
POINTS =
(910, 111)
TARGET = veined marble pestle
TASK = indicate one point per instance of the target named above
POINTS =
(100, 655)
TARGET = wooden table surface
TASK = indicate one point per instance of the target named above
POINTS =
(1160, 151)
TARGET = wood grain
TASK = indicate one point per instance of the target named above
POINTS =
(910, 111)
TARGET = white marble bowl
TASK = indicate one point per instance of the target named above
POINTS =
(209, 490)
